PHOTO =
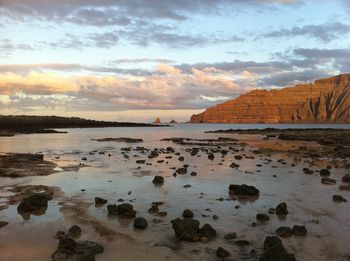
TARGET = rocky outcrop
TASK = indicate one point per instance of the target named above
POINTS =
(324, 101)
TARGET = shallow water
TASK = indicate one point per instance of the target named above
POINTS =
(113, 177)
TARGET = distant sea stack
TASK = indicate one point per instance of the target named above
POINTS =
(324, 101)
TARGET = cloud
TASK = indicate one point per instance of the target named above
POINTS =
(110, 12)
(166, 88)
(323, 32)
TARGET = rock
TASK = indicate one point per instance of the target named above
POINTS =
(308, 171)
(141, 161)
(346, 178)
(3, 223)
(284, 232)
(153, 209)
(181, 171)
(328, 181)
(100, 201)
(234, 165)
(35, 204)
(325, 173)
(74, 231)
(60, 234)
(326, 100)
(126, 210)
(215, 217)
(281, 209)
(112, 209)
(122, 139)
(345, 187)
(211, 156)
(275, 251)
(231, 235)
(186, 229)
(193, 173)
(158, 180)
(222, 253)
(238, 157)
(242, 242)
(243, 190)
(262, 217)
(299, 230)
(187, 186)
(140, 223)
(162, 214)
(187, 214)
(338, 198)
(208, 231)
(181, 158)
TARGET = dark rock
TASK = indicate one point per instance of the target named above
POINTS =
(238, 157)
(112, 209)
(231, 235)
(211, 156)
(281, 209)
(140, 223)
(35, 204)
(346, 178)
(126, 210)
(275, 251)
(193, 173)
(262, 217)
(186, 229)
(187, 186)
(100, 201)
(153, 209)
(325, 173)
(187, 214)
(208, 231)
(3, 223)
(74, 231)
(158, 180)
(284, 232)
(242, 242)
(181, 158)
(328, 181)
(243, 190)
(339, 198)
(234, 165)
(181, 171)
(308, 171)
(299, 230)
(60, 234)
(222, 253)
(215, 217)
(141, 161)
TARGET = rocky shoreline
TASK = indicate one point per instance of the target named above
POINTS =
(179, 196)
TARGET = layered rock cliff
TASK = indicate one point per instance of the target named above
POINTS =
(324, 101)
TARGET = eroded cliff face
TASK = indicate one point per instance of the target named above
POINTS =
(324, 101)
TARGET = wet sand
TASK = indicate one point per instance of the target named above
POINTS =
(275, 167)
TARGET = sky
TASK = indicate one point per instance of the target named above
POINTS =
(135, 60)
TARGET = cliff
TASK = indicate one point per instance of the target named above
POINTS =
(324, 101)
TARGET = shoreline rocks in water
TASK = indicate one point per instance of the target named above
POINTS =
(188, 229)
(25, 164)
(243, 190)
(69, 249)
(36, 204)
(122, 139)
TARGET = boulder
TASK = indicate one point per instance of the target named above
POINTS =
(112, 209)
(284, 232)
(325, 173)
(339, 198)
(346, 178)
(187, 214)
(275, 251)
(140, 223)
(262, 217)
(299, 230)
(328, 181)
(208, 231)
(281, 209)
(158, 180)
(126, 210)
(186, 229)
(243, 190)
(100, 201)
(222, 253)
